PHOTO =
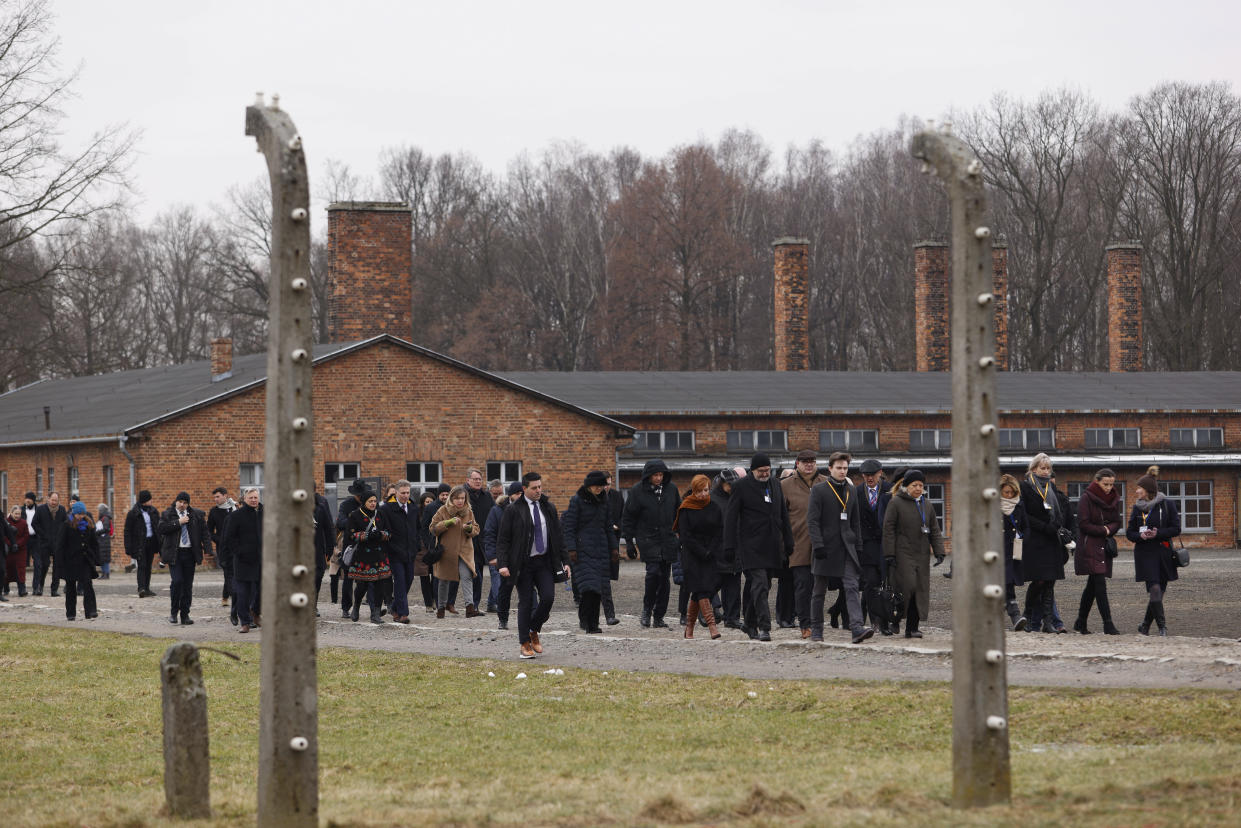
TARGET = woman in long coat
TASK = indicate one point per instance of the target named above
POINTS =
(455, 527)
(1153, 523)
(910, 537)
(243, 538)
(1043, 552)
(700, 526)
(15, 561)
(591, 545)
(422, 570)
(103, 533)
(1098, 520)
(75, 560)
(1016, 527)
(369, 572)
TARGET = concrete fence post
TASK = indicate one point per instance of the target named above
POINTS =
(187, 762)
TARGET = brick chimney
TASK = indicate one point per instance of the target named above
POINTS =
(999, 286)
(1124, 306)
(369, 261)
(221, 358)
(792, 304)
(931, 308)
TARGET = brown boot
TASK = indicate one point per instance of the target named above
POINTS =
(451, 609)
(709, 616)
(470, 612)
(691, 616)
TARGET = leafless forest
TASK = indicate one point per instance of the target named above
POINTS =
(575, 258)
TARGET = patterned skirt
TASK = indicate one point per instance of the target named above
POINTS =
(364, 571)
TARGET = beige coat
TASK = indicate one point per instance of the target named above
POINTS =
(457, 540)
(797, 495)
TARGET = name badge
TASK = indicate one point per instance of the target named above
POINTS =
(844, 515)
(1046, 505)
(926, 530)
(766, 498)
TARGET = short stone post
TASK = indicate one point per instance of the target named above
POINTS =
(187, 763)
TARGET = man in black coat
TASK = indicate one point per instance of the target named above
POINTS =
(616, 509)
(216, 517)
(142, 540)
(835, 524)
(50, 523)
(869, 492)
(758, 533)
(404, 525)
(481, 503)
(491, 534)
(325, 542)
(346, 508)
(649, 514)
(530, 549)
(183, 541)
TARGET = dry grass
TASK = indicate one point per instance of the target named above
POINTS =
(414, 740)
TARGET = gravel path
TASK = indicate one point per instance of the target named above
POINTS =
(1204, 608)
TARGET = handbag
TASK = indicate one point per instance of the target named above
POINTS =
(1180, 555)
(1017, 544)
(346, 557)
(433, 554)
(885, 604)
(1109, 544)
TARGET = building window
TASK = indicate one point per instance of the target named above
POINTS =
(51, 480)
(935, 494)
(109, 487)
(1074, 493)
(1112, 438)
(1202, 438)
(333, 472)
(1032, 439)
(757, 441)
(930, 439)
(251, 476)
(38, 484)
(423, 475)
(1193, 500)
(664, 442)
(506, 471)
(4, 493)
(73, 481)
(852, 439)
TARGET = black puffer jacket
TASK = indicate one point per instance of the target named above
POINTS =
(588, 536)
(649, 513)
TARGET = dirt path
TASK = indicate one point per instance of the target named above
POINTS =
(1207, 601)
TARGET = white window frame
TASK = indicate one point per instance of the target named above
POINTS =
(255, 473)
(1025, 441)
(1174, 490)
(941, 505)
(4, 493)
(754, 439)
(1110, 435)
(663, 447)
(424, 466)
(75, 478)
(505, 471)
(1195, 443)
(38, 484)
(852, 435)
(940, 441)
(109, 486)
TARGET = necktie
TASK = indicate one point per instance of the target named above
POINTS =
(185, 534)
(405, 508)
(874, 497)
(539, 548)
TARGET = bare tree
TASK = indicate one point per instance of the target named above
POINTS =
(43, 185)
(176, 253)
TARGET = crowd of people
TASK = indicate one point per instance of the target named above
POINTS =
(722, 542)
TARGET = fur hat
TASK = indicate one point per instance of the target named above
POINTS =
(596, 478)
(914, 476)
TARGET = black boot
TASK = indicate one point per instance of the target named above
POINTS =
(1083, 612)
(1160, 621)
(1105, 610)
(1145, 627)
(645, 620)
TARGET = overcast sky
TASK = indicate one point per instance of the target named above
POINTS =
(495, 78)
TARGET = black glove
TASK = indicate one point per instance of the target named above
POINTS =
(374, 535)
(631, 550)
(819, 553)
(939, 559)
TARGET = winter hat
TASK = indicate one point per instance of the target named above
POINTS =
(914, 476)
(871, 466)
(144, 496)
(759, 460)
(184, 496)
(366, 494)
(443, 487)
(513, 488)
(806, 454)
(596, 478)
(1149, 485)
(30, 496)
(78, 508)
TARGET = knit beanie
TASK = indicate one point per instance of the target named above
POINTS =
(1149, 485)
(759, 460)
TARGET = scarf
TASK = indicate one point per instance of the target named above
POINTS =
(1145, 506)
(1052, 501)
(458, 511)
(1008, 504)
(1102, 497)
(690, 502)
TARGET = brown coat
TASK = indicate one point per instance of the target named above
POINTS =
(797, 495)
(457, 540)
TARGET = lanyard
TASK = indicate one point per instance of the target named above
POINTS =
(844, 504)
(1045, 491)
(921, 513)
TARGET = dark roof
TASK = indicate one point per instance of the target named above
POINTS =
(107, 406)
(625, 393)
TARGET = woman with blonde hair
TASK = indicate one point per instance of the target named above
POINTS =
(1043, 550)
(454, 526)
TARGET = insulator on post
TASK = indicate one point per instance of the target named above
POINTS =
(987, 430)
(986, 362)
(300, 571)
(300, 495)
(299, 283)
(990, 493)
(974, 168)
(299, 354)
(299, 600)
(300, 423)
(996, 723)
(982, 233)
(993, 591)
(990, 556)
(299, 743)
(985, 299)
(994, 656)
(295, 143)
(298, 214)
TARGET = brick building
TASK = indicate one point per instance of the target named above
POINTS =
(383, 408)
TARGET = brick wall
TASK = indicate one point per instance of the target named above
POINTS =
(791, 309)
(999, 282)
(221, 356)
(1124, 306)
(369, 260)
(931, 306)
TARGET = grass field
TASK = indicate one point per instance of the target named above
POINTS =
(414, 740)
